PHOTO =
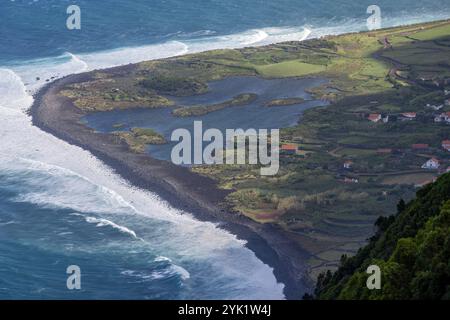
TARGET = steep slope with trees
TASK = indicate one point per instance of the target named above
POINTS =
(411, 248)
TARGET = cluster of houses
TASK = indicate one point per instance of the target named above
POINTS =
(445, 116)
(378, 117)
(408, 116)
(431, 164)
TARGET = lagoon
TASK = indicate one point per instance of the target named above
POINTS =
(256, 115)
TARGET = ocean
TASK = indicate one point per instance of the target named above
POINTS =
(61, 206)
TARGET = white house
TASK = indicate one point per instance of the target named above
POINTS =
(348, 164)
(443, 117)
(409, 115)
(431, 164)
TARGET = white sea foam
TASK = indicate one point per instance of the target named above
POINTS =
(105, 222)
(182, 272)
(56, 174)
(13, 91)
(122, 56)
(170, 271)
(162, 258)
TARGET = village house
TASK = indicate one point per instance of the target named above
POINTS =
(374, 117)
(420, 146)
(350, 180)
(348, 164)
(443, 117)
(431, 164)
(385, 119)
(446, 145)
(438, 118)
(447, 102)
(409, 115)
(289, 149)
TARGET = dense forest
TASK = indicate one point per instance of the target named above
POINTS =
(412, 249)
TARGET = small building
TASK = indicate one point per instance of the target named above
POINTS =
(385, 119)
(420, 146)
(446, 145)
(447, 102)
(348, 164)
(374, 117)
(409, 115)
(431, 164)
(290, 149)
(443, 117)
(350, 180)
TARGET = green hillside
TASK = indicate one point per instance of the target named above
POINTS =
(411, 248)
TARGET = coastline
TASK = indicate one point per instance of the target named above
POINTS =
(180, 187)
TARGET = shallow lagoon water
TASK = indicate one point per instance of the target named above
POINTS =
(255, 115)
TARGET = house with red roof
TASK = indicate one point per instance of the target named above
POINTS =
(350, 180)
(420, 146)
(374, 117)
(409, 115)
(289, 149)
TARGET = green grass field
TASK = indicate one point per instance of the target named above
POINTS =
(289, 69)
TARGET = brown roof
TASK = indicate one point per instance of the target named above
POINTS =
(420, 146)
(289, 147)
(374, 116)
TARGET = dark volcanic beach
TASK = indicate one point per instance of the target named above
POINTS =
(177, 185)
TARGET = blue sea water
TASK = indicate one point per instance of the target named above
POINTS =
(60, 206)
